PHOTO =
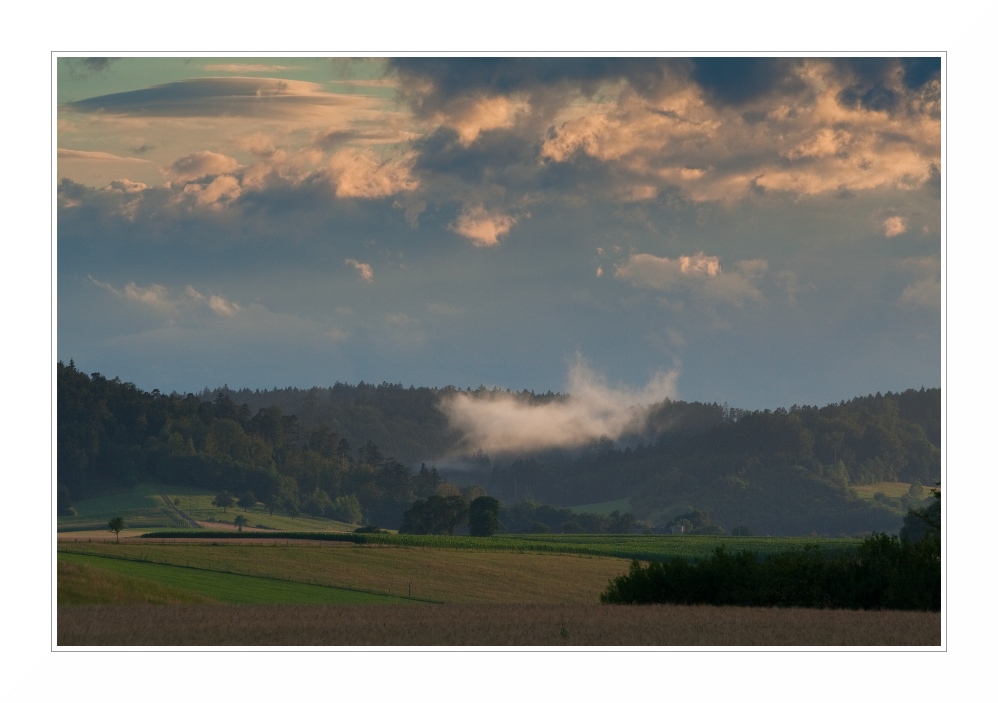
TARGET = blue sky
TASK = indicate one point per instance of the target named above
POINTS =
(761, 231)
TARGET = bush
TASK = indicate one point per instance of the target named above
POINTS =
(884, 573)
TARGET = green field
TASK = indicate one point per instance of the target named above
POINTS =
(144, 508)
(197, 583)
(640, 547)
(890, 489)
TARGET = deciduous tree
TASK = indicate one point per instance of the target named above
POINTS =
(483, 516)
(224, 500)
(116, 525)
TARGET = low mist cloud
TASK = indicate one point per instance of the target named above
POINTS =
(592, 408)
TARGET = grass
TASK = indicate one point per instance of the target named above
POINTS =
(158, 582)
(891, 489)
(483, 625)
(453, 576)
(641, 547)
(80, 583)
(143, 507)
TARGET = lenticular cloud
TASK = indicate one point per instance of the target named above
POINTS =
(506, 423)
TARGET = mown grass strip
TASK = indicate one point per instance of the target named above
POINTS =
(232, 588)
(640, 547)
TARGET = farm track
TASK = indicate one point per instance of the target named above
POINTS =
(558, 626)
(178, 511)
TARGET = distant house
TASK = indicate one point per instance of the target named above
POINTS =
(676, 529)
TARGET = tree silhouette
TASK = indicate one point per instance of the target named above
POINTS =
(116, 525)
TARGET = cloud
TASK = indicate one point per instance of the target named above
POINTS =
(246, 67)
(223, 307)
(470, 116)
(925, 292)
(895, 225)
(592, 408)
(161, 299)
(357, 173)
(364, 270)
(699, 138)
(123, 185)
(483, 227)
(201, 163)
(700, 273)
(96, 156)
(663, 273)
(216, 194)
(255, 97)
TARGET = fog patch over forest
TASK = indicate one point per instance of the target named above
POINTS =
(591, 408)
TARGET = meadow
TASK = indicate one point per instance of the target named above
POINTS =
(149, 506)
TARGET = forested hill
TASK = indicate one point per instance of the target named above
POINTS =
(782, 471)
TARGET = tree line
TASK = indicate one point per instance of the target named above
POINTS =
(348, 452)
(886, 572)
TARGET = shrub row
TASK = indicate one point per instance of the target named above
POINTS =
(884, 573)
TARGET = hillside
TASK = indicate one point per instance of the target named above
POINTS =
(359, 454)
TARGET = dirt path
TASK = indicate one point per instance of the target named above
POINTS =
(177, 510)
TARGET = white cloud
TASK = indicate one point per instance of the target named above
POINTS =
(223, 307)
(806, 143)
(699, 272)
(199, 164)
(592, 408)
(357, 173)
(155, 296)
(96, 156)
(483, 227)
(895, 225)
(160, 298)
(471, 116)
(220, 191)
(364, 270)
(663, 273)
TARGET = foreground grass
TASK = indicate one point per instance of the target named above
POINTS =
(451, 576)
(491, 626)
(144, 582)
(80, 583)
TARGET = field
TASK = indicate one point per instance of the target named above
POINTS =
(890, 489)
(85, 578)
(491, 626)
(522, 591)
(144, 508)
(451, 576)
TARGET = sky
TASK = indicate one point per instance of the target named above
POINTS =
(761, 231)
